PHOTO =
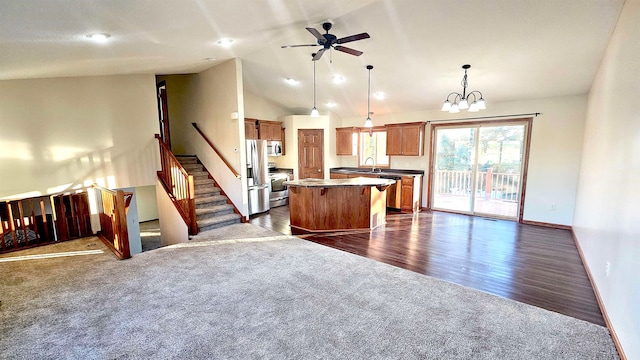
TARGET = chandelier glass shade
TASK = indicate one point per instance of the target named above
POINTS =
(471, 101)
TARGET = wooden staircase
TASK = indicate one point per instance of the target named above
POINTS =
(212, 207)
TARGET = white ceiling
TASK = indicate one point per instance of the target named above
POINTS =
(518, 49)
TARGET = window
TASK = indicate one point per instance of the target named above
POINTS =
(373, 149)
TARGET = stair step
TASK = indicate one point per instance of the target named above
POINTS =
(199, 174)
(203, 182)
(217, 210)
(193, 167)
(218, 222)
(207, 201)
(187, 159)
(210, 188)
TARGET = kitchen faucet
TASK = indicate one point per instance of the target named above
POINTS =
(373, 163)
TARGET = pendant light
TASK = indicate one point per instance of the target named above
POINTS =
(314, 111)
(368, 123)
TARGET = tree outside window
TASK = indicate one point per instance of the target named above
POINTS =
(373, 149)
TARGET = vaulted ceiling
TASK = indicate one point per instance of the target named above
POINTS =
(518, 49)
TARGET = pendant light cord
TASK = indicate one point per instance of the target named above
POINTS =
(314, 84)
(369, 67)
(369, 96)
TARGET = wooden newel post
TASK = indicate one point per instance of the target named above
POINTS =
(120, 227)
(192, 205)
(488, 184)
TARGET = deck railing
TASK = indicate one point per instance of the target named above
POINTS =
(111, 207)
(179, 186)
(498, 186)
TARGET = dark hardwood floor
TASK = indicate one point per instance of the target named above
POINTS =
(532, 264)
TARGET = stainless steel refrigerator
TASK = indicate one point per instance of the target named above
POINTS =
(257, 176)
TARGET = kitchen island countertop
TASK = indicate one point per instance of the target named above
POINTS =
(361, 181)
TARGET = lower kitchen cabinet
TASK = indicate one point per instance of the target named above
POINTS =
(411, 193)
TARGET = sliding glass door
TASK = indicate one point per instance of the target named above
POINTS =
(478, 169)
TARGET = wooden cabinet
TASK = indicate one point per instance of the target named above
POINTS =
(405, 139)
(345, 141)
(411, 193)
(338, 176)
(250, 129)
(270, 130)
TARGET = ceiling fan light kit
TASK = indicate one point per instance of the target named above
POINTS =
(461, 101)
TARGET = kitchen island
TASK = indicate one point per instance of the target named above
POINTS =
(324, 205)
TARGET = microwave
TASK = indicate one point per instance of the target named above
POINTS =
(274, 148)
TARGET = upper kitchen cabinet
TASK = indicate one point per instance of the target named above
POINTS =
(405, 139)
(270, 130)
(345, 141)
(250, 129)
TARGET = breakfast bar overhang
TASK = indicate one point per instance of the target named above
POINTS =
(326, 205)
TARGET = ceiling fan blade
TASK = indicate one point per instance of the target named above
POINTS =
(319, 54)
(316, 33)
(352, 38)
(288, 46)
(348, 50)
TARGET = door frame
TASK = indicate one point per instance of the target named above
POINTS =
(528, 122)
(163, 113)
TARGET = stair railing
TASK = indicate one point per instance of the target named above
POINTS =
(179, 186)
(112, 212)
(215, 149)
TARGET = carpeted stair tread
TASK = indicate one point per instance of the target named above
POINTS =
(218, 221)
(187, 159)
(212, 209)
(203, 182)
(193, 167)
(213, 200)
(216, 210)
(207, 190)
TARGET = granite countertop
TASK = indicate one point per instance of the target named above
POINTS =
(340, 182)
(379, 171)
(281, 170)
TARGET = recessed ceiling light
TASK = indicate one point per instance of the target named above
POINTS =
(338, 79)
(225, 42)
(210, 59)
(291, 81)
(379, 95)
(99, 37)
(330, 104)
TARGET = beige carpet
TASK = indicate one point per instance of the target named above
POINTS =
(273, 297)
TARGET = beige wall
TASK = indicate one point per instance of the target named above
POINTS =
(256, 107)
(56, 134)
(554, 159)
(173, 230)
(607, 217)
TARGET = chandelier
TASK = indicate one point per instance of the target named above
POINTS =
(461, 101)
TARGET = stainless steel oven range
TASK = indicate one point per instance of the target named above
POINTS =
(278, 193)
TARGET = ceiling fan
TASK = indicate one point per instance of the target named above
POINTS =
(328, 41)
